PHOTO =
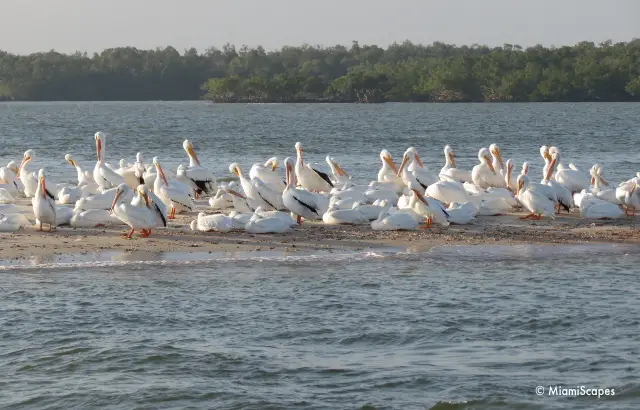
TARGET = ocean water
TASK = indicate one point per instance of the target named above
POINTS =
(459, 327)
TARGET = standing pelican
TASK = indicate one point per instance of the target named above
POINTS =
(173, 195)
(572, 179)
(449, 172)
(300, 202)
(629, 196)
(149, 200)
(201, 177)
(136, 217)
(399, 221)
(104, 176)
(535, 202)
(28, 179)
(483, 174)
(267, 174)
(44, 205)
(309, 177)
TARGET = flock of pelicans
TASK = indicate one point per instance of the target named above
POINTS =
(402, 198)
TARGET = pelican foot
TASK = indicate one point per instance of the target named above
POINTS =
(527, 216)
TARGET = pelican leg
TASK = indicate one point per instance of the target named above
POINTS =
(197, 195)
(41, 230)
(127, 236)
(531, 215)
(558, 209)
(299, 220)
(427, 223)
(172, 214)
(145, 233)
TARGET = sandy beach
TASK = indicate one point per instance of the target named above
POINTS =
(311, 236)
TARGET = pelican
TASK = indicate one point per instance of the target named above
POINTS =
(352, 192)
(449, 172)
(483, 174)
(336, 216)
(563, 196)
(380, 190)
(264, 224)
(267, 173)
(103, 175)
(536, 203)
(430, 208)
(94, 218)
(29, 179)
(135, 217)
(84, 177)
(388, 172)
(412, 170)
(268, 196)
(497, 162)
(12, 222)
(302, 203)
(339, 175)
(448, 192)
(44, 207)
(309, 177)
(285, 216)
(510, 180)
(398, 221)
(600, 186)
(5, 196)
(241, 203)
(222, 200)
(462, 214)
(174, 195)
(8, 177)
(572, 179)
(629, 196)
(595, 208)
(212, 223)
(546, 157)
(201, 177)
(130, 175)
(371, 212)
(149, 200)
(100, 201)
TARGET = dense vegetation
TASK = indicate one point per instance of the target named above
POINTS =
(402, 72)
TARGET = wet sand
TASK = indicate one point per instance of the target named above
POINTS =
(313, 236)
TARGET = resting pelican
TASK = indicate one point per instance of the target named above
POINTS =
(241, 203)
(309, 177)
(549, 189)
(8, 177)
(399, 221)
(201, 177)
(483, 174)
(84, 177)
(629, 196)
(336, 216)
(265, 224)
(29, 179)
(147, 199)
(595, 208)
(300, 202)
(371, 212)
(222, 200)
(174, 196)
(94, 218)
(389, 171)
(135, 217)
(462, 214)
(449, 172)
(572, 179)
(44, 206)
(100, 201)
(104, 176)
(431, 208)
(340, 176)
(600, 186)
(497, 162)
(130, 175)
(536, 203)
(212, 223)
(12, 222)
(5, 196)
(285, 216)
(511, 180)
(564, 198)
(448, 192)
(415, 174)
(267, 174)
(546, 157)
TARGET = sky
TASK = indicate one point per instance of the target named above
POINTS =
(92, 25)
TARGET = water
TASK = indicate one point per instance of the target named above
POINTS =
(454, 328)
(606, 133)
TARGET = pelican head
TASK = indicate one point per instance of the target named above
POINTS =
(26, 158)
(156, 163)
(544, 153)
(386, 158)
(139, 157)
(485, 157)
(495, 152)
(272, 162)
(413, 187)
(232, 190)
(235, 169)
(335, 167)
(288, 167)
(523, 183)
(299, 152)
(448, 153)
(13, 167)
(525, 168)
(407, 158)
(188, 147)
(554, 150)
(100, 138)
(70, 160)
(143, 192)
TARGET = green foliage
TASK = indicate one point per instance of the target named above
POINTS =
(361, 73)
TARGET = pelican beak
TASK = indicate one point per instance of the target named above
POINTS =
(43, 187)
(24, 161)
(236, 193)
(453, 161)
(402, 165)
(488, 159)
(340, 171)
(420, 197)
(146, 199)
(273, 166)
(519, 187)
(236, 172)
(72, 162)
(115, 200)
(418, 160)
(498, 156)
(593, 180)
(547, 156)
(161, 173)
(98, 148)
(392, 164)
(192, 154)
(15, 169)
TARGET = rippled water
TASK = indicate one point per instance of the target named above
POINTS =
(454, 328)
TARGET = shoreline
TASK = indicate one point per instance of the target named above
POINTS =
(315, 236)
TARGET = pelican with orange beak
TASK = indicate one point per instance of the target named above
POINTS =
(84, 177)
(484, 173)
(204, 182)
(389, 172)
(147, 199)
(340, 176)
(44, 205)
(104, 176)
(428, 207)
(417, 173)
(267, 174)
(173, 195)
(28, 179)
(536, 203)
(449, 172)
(136, 217)
(241, 203)
(299, 201)
(310, 178)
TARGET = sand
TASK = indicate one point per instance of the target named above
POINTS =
(310, 236)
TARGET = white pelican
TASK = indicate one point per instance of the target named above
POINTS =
(548, 188)
(174, 196)
(135, 217)
(600, 186)
(149, 200)
(511, 180)
(103, 175)
(572, 179)
(63, 215)
(302, 203)
(100, 201)
(257, 190)
(340, 176)
(309, 177)
(285, 216)
(94, 218)
(84, 177)
(484, 173)
(536, 203)
(398, 221)
(201, 177)
(371, 212)
(5, 196)
(44, 206)
(380, 190)
(342, 203)
(267, 174)
(29, 179)
(431, 208)
(149, 177)
(594, 208)
(448, 192)
(336, 216)
(222, 200)
(632, 180)
(12, 222)
(546, 157)
(212, 223)
(240, 219)
(462, 214)
(389, 172)
(412, 170)
(629, 196)
(130, 175)
(497, 162)
(240, 202)
(8, 177)
(352, 192)
(264, 224)
(563, 196)
(449, 172)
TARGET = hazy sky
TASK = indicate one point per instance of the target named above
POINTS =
(92, 25)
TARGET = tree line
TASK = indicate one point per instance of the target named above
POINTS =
(360, 73)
